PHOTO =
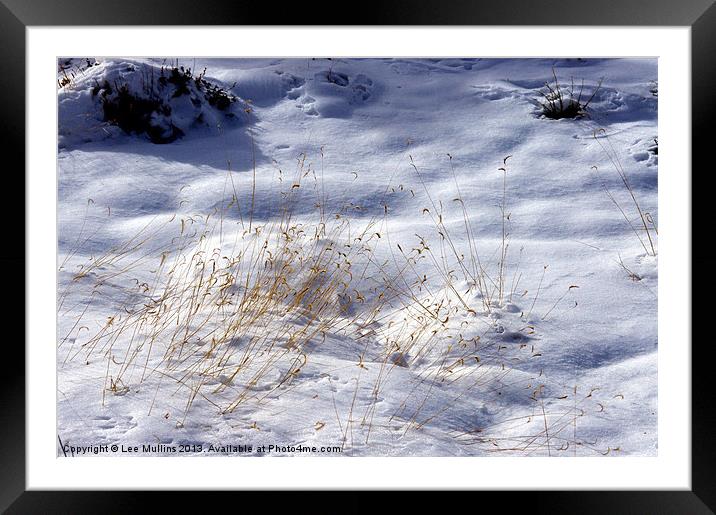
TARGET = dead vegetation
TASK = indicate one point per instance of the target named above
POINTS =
(233, 310)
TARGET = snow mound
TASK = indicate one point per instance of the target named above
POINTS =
(159, 103)
(367, 270)
(266, 88)
(339, 93)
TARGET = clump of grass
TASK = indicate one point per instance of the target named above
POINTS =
(68, 69)
(233, 317)
(136, 114)
(182, 78)
(148, 110)
(237, 316)
(560, 102)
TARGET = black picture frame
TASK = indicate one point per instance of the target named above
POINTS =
(16, 15)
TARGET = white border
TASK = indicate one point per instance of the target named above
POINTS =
(670, 470)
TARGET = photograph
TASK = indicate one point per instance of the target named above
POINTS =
(357, 256)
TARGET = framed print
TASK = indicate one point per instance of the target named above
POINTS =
(428, 250)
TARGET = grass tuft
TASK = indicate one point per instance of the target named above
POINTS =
(561, 102)
(238, 308)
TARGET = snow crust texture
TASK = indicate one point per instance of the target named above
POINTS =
(378, 257)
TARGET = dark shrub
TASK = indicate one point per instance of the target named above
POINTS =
(148, 111)
(560, 102)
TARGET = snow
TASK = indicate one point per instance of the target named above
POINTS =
(375, 184)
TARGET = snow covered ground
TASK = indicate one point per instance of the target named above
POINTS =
(395, 257)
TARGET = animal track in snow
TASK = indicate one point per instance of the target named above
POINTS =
(267, 88)
(358, 88)
(492, 92)
(307, 105)
(362, 87)
(645, 151)
(117, 424)
(466, 63)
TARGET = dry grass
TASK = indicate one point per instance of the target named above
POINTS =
(68, 70)
(642, 225)
(235, 307)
